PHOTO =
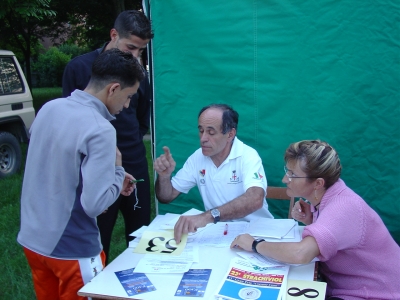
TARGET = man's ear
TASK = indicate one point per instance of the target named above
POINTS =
(113, 34)
(232, 133)
(113, 88)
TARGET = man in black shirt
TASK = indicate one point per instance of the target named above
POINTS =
(131, 33)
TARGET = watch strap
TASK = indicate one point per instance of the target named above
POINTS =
(255, 243)
(216, 215)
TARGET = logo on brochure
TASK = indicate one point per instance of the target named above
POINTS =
(249, 293)
(257, 176)
(234, 178)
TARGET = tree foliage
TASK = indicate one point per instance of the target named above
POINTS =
(25, 23)
(50, 66)
(20, 26)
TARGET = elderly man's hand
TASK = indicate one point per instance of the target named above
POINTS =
(188, 224)
(165, 164)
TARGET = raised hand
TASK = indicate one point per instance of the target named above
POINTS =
(165, 164)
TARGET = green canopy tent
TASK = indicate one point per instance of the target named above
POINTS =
(293, 70)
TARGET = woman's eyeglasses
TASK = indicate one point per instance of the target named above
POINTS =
(290, 175)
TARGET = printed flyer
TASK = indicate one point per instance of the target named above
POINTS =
(247, 281)
(134, 283)
(193, 283)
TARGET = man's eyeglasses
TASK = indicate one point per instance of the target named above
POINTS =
(290, 175)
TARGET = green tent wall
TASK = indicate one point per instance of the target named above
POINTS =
(293, 70)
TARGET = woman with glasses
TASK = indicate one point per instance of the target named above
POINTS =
(358, 257)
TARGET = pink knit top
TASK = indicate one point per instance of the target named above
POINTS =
(359, 258)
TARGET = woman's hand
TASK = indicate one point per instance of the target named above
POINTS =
(302, 212)
(243, 241)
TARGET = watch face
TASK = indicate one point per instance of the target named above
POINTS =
(215, 213)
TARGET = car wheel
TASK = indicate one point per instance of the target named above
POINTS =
(10, 154)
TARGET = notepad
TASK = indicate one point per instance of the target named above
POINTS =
(272, 228)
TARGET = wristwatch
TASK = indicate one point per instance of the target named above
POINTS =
(255, 243)
(216, 215)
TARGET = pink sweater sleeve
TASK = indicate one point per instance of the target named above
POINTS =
(340, 225)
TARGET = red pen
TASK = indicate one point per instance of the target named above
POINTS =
(226, 229)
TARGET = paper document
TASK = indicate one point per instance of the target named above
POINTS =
(221, 234)
(259, 260)
(154, 264)
(170, 222)
(160, 221)
(272, 228)
(138, 233)
(169, 264)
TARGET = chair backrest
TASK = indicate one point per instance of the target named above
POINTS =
(279, 193)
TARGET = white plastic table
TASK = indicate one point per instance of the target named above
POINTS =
(107, 286)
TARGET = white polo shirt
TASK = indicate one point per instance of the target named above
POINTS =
(241, 170)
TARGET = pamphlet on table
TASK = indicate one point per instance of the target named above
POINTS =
(193, 283)
(247, 281)
(134, 283)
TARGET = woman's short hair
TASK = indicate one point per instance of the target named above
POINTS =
(318, 160)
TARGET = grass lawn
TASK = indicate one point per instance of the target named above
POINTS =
(15, 277)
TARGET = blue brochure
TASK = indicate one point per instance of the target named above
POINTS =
(134, 283)
(193, 283)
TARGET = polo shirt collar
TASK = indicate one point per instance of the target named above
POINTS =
(236, 150)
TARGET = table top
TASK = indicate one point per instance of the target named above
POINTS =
(106, 285)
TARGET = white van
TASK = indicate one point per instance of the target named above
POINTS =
(16, 113)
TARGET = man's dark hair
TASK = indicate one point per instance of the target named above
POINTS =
(230, 117)
(133, 22)
(115, 65)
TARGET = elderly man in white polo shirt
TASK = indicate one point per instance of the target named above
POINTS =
(228, 173)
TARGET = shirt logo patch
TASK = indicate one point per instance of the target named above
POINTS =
(202, 172)
(257, 176)
(234, 178)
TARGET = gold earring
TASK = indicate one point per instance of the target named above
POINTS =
(315, 195)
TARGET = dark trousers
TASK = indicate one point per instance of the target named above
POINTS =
(134, 218)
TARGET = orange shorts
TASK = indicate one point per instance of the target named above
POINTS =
(62, 279)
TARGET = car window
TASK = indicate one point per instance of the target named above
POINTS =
(10, 82)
